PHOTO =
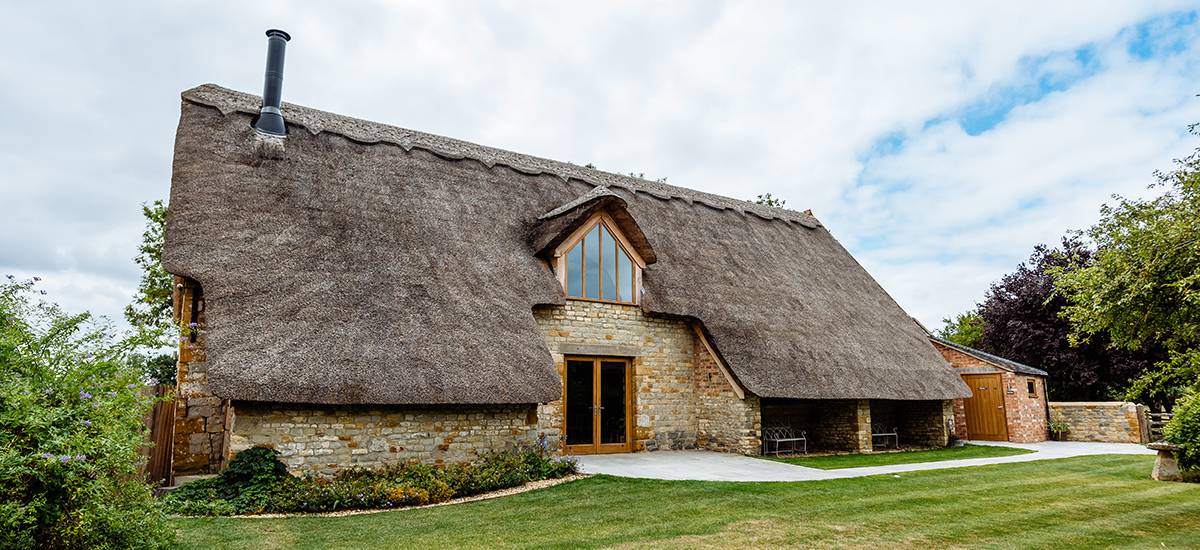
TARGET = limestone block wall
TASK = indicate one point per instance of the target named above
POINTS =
(843, 424)
(724, 422)
(200, 417)
(323, 439)
(662, 348)
(1111, 421)
(924, 423)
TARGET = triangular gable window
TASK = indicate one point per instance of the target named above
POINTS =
(597, 263)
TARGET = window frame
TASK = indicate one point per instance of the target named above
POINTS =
(559, 258)
(1031, 385)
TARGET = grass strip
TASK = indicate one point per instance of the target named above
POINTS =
(1104, 501)
(836, 462)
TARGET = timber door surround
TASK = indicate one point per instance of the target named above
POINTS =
(986, 419)
(598, 404)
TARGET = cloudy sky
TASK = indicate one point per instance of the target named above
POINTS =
(939, 142)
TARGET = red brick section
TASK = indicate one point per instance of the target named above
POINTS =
(1025, 414)
(709, 378)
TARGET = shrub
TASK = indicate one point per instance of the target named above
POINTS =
(245, 486)
(70, 430)
(1184, 430)
(264, 485)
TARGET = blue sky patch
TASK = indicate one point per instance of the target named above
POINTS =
(1161, 36)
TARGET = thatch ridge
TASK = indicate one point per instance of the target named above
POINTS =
(363, 131)
(374, 264)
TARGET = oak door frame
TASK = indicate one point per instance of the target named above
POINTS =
(596, 447)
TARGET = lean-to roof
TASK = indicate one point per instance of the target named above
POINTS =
(375, 264)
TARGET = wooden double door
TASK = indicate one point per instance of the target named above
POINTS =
(598, 405)
(986, 419)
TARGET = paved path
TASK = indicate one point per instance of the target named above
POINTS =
(710, 466)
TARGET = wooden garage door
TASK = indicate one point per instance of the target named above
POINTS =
(985, 408)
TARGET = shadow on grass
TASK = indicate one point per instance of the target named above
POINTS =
(835, 462)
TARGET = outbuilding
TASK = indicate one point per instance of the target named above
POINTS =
(1008, 399)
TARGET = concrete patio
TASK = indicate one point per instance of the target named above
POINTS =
(710, 466)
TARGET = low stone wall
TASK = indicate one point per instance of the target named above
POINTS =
(1110, 421)
(317, 439)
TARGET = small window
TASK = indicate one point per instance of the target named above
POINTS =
(1032, 384)
(599, 265)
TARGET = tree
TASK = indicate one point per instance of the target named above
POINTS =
(767, 200)
(1022, 323)
(70, 430)
(152, 308)
(1145, 282)
(965, 329)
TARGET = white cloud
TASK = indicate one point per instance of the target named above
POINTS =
(729, 97)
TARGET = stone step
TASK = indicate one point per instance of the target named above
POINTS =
(181, 480)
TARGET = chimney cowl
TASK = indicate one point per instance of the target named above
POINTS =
(270, 119)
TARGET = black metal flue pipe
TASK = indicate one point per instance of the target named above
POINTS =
(270, 120)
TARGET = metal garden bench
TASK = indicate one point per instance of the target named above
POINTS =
(782, 433)
(880, 430)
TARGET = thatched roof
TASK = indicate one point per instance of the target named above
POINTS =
(995, 360)
(364, 263)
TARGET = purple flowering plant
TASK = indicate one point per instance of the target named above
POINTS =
(70, 430)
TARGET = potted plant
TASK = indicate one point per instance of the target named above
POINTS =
(1059, 431)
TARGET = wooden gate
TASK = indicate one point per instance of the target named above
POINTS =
(985, 409)
(160, 421)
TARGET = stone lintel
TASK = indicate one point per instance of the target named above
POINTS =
(599, 349)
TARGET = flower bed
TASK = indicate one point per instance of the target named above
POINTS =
(256, 482)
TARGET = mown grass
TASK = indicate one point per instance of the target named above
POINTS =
(1085, 502)
(835, 462)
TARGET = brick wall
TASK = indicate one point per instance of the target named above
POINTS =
(200, 416)
(1112, 421)
(1025, 414)
(323, 439)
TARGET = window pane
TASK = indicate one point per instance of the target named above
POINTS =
(575, 271)
(609, 246)
(591, 264)
(626, 271)
(612, 401)
(579, 402)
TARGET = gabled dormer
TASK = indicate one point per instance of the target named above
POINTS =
(595, 247)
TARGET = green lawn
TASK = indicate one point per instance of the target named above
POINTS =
(834, 462)
(1086, 502)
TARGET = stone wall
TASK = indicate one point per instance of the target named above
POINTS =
(846, 425)
(661, 347)
(1111, 421)
(200, 417)
(1025, 413)
(322, 439)
(924, 423)
(725, 422)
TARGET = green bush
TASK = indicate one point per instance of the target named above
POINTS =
(245, 486)
(259, 483)
(1184, 430)
(70, 430)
